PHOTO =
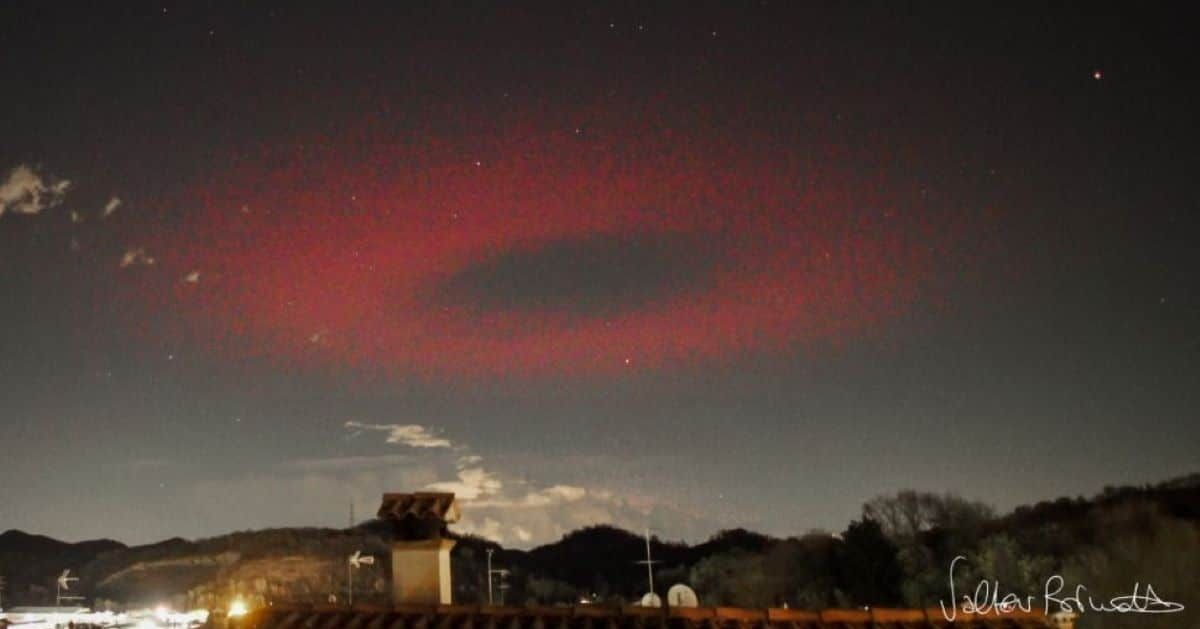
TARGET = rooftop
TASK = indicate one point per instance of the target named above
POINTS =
(628, 617)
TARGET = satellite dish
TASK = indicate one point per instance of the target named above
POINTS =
(681, 595)
(651, 600)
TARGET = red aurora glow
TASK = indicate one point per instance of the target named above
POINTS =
(428, 253)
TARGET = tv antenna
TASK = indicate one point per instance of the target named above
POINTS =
(357, 560)
(503, 587)
(63, 584)
(491, 574)
(681, 595)
(650, 599)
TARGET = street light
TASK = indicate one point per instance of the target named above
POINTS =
(237, 608)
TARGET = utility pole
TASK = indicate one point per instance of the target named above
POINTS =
(491, 574)
(1, 592)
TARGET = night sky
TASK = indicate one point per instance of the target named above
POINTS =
(685, 266)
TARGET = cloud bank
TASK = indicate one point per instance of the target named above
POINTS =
(25, 191)
(498, 501)
(505, 507)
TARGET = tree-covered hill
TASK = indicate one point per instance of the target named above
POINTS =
(897, 553)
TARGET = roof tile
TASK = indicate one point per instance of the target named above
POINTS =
(602, 617)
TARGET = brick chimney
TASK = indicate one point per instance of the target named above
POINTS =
(421, 550)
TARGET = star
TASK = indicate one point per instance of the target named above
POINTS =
(1097, 75)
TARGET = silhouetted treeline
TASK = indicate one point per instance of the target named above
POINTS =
(898, 553)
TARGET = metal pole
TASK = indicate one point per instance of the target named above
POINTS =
(489, 575)
(649, 562)
(350, 584)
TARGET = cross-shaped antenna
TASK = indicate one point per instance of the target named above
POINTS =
(503, 583)
(649, 561)
(64, 583)
(491, 574)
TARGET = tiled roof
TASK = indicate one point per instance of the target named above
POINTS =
(601, 617)
(422, 505)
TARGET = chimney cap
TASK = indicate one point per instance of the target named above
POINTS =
(422, 505)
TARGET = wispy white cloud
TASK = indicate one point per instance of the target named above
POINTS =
(539, 517)
(136, 256)
(472, 483)
(412, 435)
(489, 528)
(552, 495)
(110, 207)
(506, 508)
(25, 191)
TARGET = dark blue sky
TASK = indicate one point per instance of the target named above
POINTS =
(687, 268)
